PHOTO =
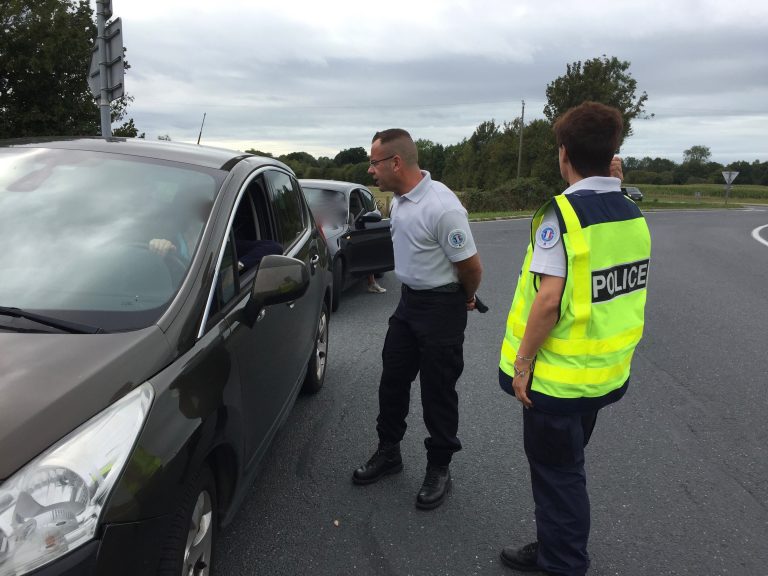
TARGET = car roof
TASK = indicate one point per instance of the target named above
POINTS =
(338, 185)
(208, 156)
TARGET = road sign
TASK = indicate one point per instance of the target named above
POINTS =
(107, 8)
(730, 177)
(113, 41)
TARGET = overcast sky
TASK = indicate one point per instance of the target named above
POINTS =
(322, 76)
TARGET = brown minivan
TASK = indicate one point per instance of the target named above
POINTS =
(161, 306)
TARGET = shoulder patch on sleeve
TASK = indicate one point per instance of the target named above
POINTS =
(547, 235)
(457, 238)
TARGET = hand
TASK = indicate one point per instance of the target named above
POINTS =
(161, 246)
(471, 304)
(520, 386)
(616, 169)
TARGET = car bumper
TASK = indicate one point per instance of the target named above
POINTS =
(123, 550)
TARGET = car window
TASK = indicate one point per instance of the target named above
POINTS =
(355, 205)
(285, 194)
(328, 206)
(102, 239)
(368, 201)
(252, 236)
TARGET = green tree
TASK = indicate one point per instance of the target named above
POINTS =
(351, 156)
(540, 154)
(45, 49)
(119, 110)
(700, 154)
(128, 130)
(604, 80)
(431, 157)
(45, 53)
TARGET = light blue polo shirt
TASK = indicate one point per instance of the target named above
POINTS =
(430, 231)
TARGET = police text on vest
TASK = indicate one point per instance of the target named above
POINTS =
(622, 279)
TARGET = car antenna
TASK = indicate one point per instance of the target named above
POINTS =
(201, 130)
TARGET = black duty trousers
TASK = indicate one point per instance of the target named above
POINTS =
(554, 444)
(425, 337)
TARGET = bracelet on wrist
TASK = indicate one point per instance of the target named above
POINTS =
(519, 372)
(525, 358)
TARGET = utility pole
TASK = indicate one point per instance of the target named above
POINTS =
(520, 146)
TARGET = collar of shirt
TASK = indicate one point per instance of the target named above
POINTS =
(417, 192)
(596, 183)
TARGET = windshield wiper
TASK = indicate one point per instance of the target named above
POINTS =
(71, 327)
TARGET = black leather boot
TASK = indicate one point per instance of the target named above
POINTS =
(386, 460)
(436, 484)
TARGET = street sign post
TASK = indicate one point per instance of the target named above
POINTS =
(729, 177)
(107, 71)
(114, 63)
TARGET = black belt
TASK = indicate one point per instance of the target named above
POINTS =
(449, 288)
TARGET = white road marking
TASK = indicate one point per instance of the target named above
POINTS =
(756, 234)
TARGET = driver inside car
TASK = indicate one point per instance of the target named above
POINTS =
(182, 223)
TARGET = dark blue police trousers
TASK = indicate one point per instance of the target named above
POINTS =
(425, 338)
(554, 445)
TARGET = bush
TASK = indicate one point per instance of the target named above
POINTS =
(523, 194)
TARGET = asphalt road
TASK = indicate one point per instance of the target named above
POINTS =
(677, 471)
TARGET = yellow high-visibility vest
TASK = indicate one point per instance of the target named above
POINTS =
(589, 351)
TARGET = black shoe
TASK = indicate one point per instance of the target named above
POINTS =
(436, 485)
(386, 460)
(522, 559)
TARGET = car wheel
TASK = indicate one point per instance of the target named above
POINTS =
(338, 283)
(319, 360)
(189, 550)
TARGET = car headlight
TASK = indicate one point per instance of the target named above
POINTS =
(52, 505)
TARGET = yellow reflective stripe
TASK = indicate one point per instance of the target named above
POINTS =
(508, 352)
(582, 376)
(517, 312)
(592, 347)
(582, 280)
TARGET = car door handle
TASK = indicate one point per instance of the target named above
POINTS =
(313, 262)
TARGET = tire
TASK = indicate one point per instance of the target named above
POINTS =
(315, 377)
(338, 284)
(189, 548)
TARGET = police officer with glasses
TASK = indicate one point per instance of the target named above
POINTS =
(440, 270)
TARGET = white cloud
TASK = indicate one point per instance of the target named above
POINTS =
(323, 76)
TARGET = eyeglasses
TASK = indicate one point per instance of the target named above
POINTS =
(375, 163)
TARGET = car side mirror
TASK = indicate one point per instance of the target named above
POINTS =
(279, 279)
(373, 216)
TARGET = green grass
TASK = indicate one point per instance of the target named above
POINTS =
(749, 193)
(656, 197)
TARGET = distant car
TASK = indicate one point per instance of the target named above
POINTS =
(632, 192)
(359, 238)
(162, 305)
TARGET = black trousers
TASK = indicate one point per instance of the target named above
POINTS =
(425, 338)
(554, 445)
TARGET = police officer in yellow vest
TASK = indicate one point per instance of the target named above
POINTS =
(575, 320)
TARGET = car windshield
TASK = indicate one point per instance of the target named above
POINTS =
(328, 206)
(97, 238)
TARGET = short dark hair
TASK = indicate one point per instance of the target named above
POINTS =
(591, 133)
(400, 142)
(390, 135)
